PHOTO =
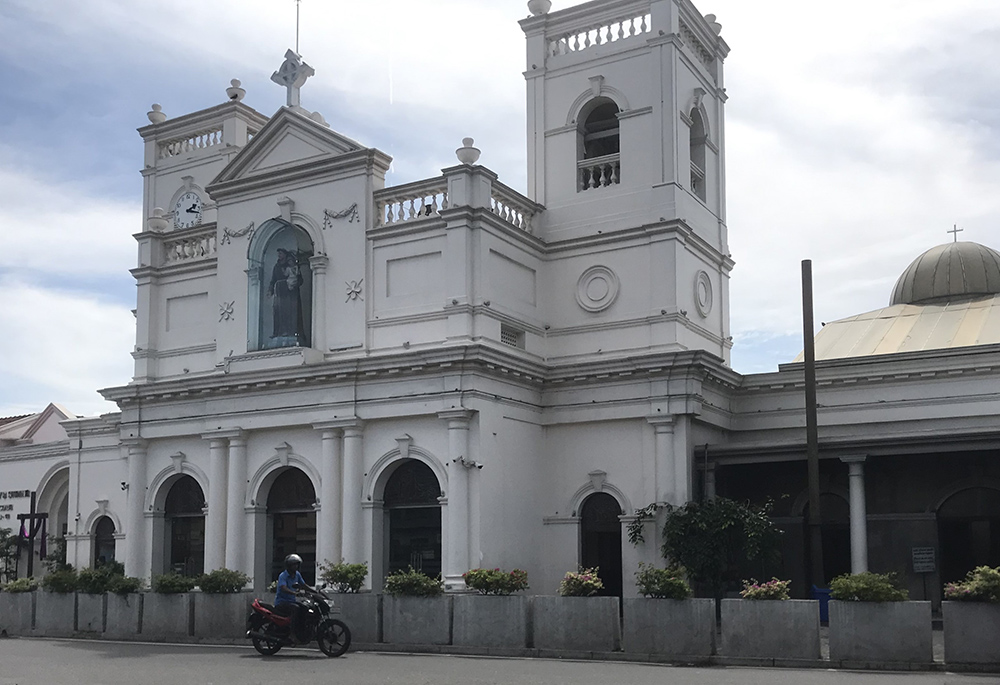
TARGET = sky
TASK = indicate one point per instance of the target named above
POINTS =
(858, 133)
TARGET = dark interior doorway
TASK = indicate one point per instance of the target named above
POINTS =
(413, 514)
(835, 524)
(291, 514)
(969, 532)
(104, 541)
(601, 540)
(184, 513)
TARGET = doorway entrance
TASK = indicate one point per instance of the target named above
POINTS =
(969, 532)
(291, 516)
(413, 514)
(835, 529)
(184, 514)
(601, 540)
(104, 541)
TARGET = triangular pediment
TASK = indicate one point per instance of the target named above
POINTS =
(288, 140)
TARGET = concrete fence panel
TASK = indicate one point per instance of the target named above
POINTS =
(581, 624)
(881, 631)
(123, 614)
(780, 629)
(417, 620)
(166, 616)
(491, 621)
(17, 611)
(222, 616)
(670, 627)
(90, 611)
(971, 633)
(361, 613)
(55, 614)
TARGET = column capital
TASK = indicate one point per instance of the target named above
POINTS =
(224, 434)
(338, 424)
(456, 417)
(318, 263)
(854, 458)
(135, 445)
(662, 423)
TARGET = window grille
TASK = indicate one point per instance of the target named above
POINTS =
(511, 336)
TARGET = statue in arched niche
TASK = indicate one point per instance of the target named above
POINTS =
(285, 292)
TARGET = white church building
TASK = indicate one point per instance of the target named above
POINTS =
(451, 374)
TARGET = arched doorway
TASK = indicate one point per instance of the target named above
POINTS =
(601, 540)
(835, 527)
(104, 541)
(291, 513)
(413, 516)
(969, 532)
(184, 516)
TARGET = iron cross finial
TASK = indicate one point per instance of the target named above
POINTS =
(955, 231)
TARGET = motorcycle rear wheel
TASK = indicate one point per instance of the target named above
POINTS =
(266, 647)
(334, 637)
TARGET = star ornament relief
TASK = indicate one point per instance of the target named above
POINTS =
(354, 290)
(226, 311)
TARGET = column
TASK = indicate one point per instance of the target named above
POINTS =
(682, 461)
(318, 340)
(215, 519)
(710, 481)
(352, 544)
(663, 467)
(135, 522)
(859, 515)
(328, 531)
(236, 544)
(459, 463)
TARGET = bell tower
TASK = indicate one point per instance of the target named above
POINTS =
(625, 131)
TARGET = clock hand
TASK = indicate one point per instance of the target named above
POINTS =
(193, 209)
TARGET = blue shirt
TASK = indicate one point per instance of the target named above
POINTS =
(288, 581)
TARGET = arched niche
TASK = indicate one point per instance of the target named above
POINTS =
(280, 286)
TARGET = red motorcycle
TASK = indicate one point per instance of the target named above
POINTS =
(269, 631)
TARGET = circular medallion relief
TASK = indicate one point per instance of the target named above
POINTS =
(597, 288)
(703, 294)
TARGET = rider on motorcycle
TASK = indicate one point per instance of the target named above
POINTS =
(289, 582)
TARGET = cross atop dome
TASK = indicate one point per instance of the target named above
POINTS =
(292, 75)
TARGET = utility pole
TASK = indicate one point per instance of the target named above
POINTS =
(812, 432)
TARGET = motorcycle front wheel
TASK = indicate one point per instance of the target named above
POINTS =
(267, 647)
(334, 637)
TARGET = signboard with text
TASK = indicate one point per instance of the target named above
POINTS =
(923, 560)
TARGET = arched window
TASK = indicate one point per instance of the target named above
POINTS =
(413, 509)
(281, 288)
(184, 512)
(104, 541)
(699, 140)
(599, 145)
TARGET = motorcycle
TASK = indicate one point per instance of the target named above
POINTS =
(269, 631)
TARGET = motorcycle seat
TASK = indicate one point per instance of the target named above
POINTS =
(265, 605)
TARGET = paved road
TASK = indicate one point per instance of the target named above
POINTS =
(81, 662)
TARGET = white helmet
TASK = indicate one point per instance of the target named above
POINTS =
(292, 559)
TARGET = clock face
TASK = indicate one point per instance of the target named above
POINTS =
(187, 210)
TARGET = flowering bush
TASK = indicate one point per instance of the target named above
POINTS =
(21, 585)
(411, 583)
(582, 583)
(344, 577)
(982, 584)
(772, 589)
(662, 583)
(868, 587)
(495, 581)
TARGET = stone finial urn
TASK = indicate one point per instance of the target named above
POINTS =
(537, 7)
(156, 115)
(234, 91)
(156, 223)
(467, 154)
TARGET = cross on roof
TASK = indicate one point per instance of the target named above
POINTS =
(292, 75)
(955, 231)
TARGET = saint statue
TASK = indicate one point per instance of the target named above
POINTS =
(285, 291)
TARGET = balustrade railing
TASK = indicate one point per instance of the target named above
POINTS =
(189, 248)
(195, 141)
(412, 201)
(600, 34)
(599, 172)
(511, 206)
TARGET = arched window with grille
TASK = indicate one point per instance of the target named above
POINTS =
(699, 141)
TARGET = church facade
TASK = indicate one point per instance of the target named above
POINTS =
(449, 374)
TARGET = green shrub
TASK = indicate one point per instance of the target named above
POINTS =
(125, 585)
(772, 589)
(173, 583)
(344, 577)
(97, 581)
(223, 581)
(410, 583)
(868, 587)
(582, 583)
(662, 583)
(496, 582)
(21, 585)
(63, 581)
(982, 584)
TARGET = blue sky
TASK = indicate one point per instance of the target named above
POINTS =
(857, 133)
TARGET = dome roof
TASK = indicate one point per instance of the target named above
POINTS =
(952, 270)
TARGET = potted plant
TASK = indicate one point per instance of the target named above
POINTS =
(360, 609)
(971, 611)
(577, 620)
(416, 610)
(766, 622)
(666, 620)
(221, 608)
(871, 620)
(494, 616)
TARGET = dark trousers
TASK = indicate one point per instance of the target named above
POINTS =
(295, 611)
